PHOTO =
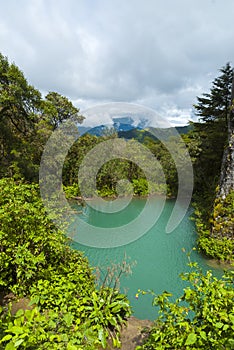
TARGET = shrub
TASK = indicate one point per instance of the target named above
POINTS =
(202, 318)
(36, 260)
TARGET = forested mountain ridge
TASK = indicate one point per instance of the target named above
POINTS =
(127, 131)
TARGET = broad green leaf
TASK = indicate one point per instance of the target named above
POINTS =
(10, 346)
(19, 313)
(102, 337)
(18, 342)
(191, 339)
(203, 335)
(7, 337)
(219, 324)
(16, 330)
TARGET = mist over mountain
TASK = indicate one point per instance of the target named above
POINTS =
(128, 128)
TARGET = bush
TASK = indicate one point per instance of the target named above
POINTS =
(32, 248)
(69, 311)
(216, 228)
(202, 318)
(140, 187)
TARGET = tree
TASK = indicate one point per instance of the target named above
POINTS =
(19, 107)
(58, 109)
(26, 122)
(19, 101)
(212, 133)
(215, 105)
(214, 166)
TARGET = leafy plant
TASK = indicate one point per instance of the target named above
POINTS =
(215, 228)
(36, 260)
(202, 318)
(32, 247)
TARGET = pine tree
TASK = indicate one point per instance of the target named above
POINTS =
(215, 105)
(212, 132)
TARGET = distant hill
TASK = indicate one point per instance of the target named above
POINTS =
(127, 128)
(96, 131)
(128, 132)
(163, 134)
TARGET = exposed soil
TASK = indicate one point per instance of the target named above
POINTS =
(133, 334)
(17, 304)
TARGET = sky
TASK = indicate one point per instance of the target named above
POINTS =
(157, 53)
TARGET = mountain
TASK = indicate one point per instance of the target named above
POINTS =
(126, 132)
(154, 133)
(96, 131)
(127, 128)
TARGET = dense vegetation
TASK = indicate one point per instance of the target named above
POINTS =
(26, 122)
(66, 309)
(202, 318)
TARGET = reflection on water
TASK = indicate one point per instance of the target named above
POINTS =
(159, 256)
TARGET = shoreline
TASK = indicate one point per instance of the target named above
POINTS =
(79, 198)
(218, 264)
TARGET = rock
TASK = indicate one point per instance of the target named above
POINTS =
(133, 334)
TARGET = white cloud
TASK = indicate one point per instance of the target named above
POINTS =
(158, 53)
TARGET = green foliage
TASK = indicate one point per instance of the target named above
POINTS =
(216, 230)
(216, 104)
(31, 246)
(69, 311)
(223, 220)
(26, 122)
(202, 318)
(19, 105)
(216, 248)
(58, 108)
(163, 153)
(113, 175)
(85, 323)
(72, 191)
(214, 217)
(140, 187)
(32, 329)
(105, 191)
(211, 135)
(206, 147)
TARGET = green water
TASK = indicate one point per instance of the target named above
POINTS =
(159, 256)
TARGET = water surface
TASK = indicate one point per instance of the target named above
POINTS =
(160, 257)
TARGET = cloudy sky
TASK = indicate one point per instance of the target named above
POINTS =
(157, 53)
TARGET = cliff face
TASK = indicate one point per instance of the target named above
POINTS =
(223, 221)
(227, 172)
